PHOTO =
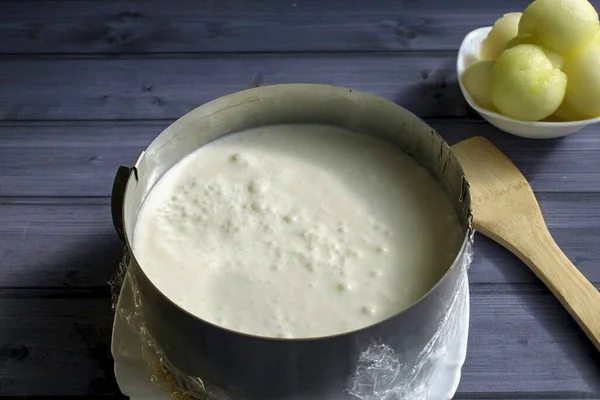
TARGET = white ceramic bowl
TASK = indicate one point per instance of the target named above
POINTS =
(468, 52)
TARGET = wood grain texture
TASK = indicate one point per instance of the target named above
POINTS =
(506, 210)
(81, 158)
(242, 26)
(523, 345)
(160, 88)
(71, 243)
(507, 324)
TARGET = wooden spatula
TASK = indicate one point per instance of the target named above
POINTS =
(506, 210)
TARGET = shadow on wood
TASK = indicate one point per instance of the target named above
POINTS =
(436, 90)
(61, 345)
(56, 243)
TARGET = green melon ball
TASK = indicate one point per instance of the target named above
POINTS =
(555, 58)
(566, 113)
(561, 25)
(477, 80)
(504, 29)
(525, 84)
(583, 89)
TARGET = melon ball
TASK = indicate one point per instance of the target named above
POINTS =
(555, 58)
(566, 113)
(525, 84)
(583, 89)
(504, 29)
(561, 25)
(477, 79)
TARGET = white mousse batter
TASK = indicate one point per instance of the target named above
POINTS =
(296, 231)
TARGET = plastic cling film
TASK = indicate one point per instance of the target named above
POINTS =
(127, 305)
(380, 373)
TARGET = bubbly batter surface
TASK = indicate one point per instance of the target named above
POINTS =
(296, 231)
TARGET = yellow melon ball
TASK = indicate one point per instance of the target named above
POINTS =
(555, 58)
(561, 25)
(477, 80)
(504, 29)
(565, 113)
(525, 84)
(583, 89)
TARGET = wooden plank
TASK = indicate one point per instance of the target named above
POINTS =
(80, 159)
(71, 242)
(242, 26)
(160, 88)
(521, 342)
(61, 345)
(71, 245)
(72, 160)
(216, 26)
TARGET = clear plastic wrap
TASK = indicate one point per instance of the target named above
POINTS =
(379, 375)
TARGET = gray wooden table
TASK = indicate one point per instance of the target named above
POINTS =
(86, 85)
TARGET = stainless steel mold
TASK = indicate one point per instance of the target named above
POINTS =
(262, 368)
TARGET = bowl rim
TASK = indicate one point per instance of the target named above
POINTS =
(460, 68)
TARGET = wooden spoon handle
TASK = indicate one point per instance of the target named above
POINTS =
(575, 292)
